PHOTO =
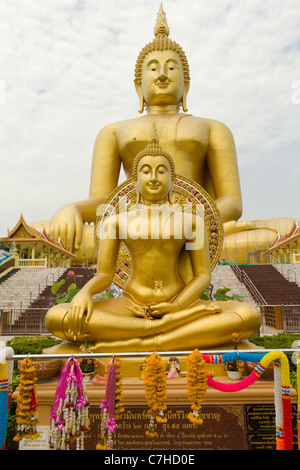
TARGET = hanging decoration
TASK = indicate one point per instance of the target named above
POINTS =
(5, 391)
(298, 403)
(283, 409)
(196, 384)
(156, 392)
(69, 413)
(110, 410)
(119, 405)
(173, 369)
(26, 412)
(278, 406)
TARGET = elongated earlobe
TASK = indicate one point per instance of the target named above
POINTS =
(142, 103)
(138, 195)
(183, 103)
(141, 97)
(184, 96)
(170, 195)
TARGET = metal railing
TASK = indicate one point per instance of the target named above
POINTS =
(143, 354)
(22, 322)
(31, 321)
(281, 318)
(244, 278)
(40, 286)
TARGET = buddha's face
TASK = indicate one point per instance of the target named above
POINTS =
(162, 81)
(154, 181)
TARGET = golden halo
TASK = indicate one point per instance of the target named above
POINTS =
(185, 191)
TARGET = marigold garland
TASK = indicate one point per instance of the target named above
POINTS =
(196, 384)
(119, 405)
(155, 389)
(26, 412)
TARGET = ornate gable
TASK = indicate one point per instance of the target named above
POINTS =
(22, 231)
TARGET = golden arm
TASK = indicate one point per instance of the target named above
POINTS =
(201, 268)
(223, 169)
(81, 307)
(68, 222)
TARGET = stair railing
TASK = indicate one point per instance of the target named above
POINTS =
(40, 286)
(243, 277)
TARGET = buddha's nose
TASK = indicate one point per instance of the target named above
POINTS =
(153, 179)
(162, 77)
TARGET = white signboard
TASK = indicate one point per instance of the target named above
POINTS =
(40, 443)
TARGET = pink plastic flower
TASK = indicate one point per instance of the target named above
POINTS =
(111, 425)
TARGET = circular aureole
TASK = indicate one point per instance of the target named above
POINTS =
(186, 193)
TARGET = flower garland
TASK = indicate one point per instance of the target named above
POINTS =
(111, 406)
(196, 384)
(212, 358)
(283, 411)
(69, 413)
(26, 412)
(298, 404)
(278, 406)
(5, 395)
(155, 389)
(287, 439)
(119, 406)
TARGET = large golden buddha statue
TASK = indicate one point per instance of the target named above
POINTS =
(157, 310)
(203, 150)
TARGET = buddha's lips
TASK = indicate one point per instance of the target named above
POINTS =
(163, 85)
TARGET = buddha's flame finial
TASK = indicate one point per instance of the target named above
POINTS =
(154, 134)
(161, 27)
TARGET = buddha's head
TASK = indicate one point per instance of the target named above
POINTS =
(162, 74)
(154, 172)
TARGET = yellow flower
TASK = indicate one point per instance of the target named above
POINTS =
(101, 447)
(196, 383)
(151, 434)
(155, 389)
(235, 337)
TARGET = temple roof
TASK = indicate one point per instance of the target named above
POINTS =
(23, 233)
(282, 241)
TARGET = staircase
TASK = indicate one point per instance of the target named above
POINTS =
(223, 275)
(290, 271)
(28, 317)
(17, 286)
(81, 277)
(272, 285)
(7, 275)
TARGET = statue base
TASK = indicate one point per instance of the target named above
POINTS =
(243, 420)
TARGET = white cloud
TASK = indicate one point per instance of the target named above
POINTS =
(68, 69)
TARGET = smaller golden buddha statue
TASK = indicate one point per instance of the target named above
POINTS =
(157, 310)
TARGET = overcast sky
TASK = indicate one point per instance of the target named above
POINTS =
(66, 70)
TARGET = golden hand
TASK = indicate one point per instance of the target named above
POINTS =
(67, 224)
(235, 227)
(80, 312)
(162, 308)
(157, 310)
